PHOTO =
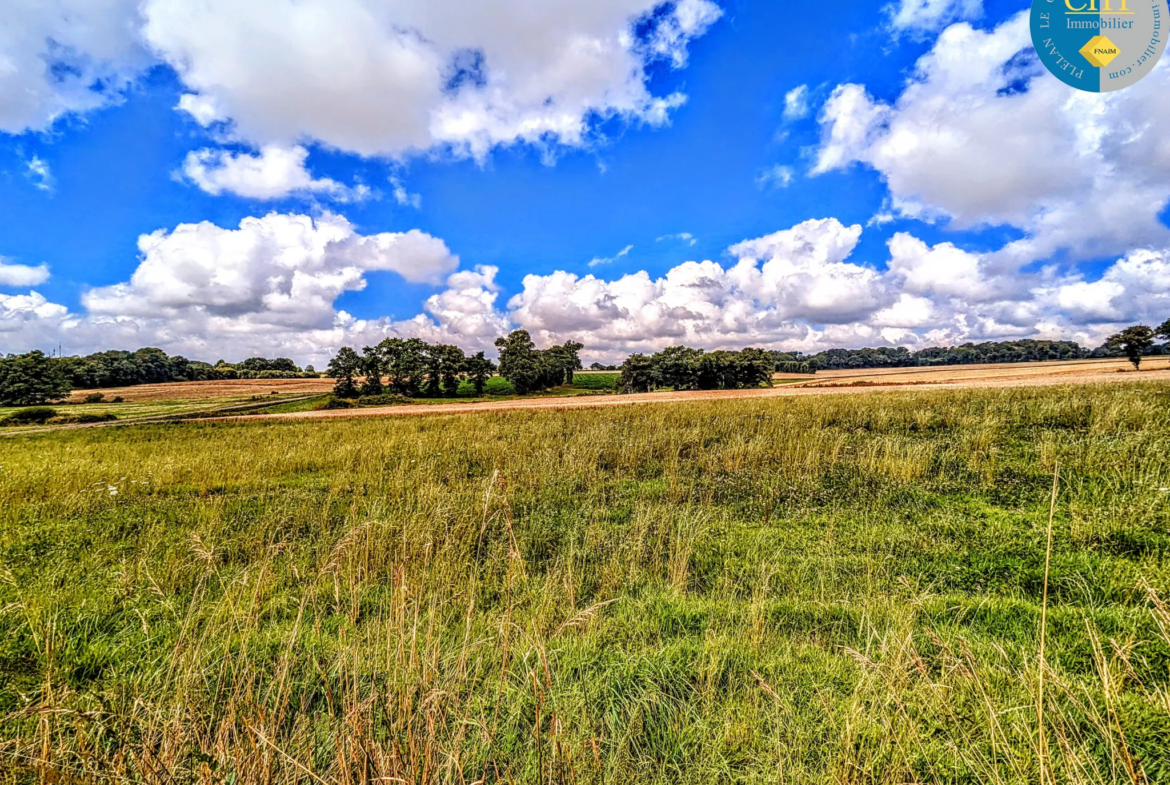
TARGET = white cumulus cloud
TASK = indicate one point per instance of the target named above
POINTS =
(381, 77)
(982, 135)
(271, 287)
(22, 274)
(372, 77)
(924, 16)
(274, 173)
(62, 56)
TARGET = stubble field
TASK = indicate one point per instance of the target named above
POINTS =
(809, 589)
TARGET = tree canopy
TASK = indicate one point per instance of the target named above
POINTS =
(1134, 342)
(684, 368)
(31, 379)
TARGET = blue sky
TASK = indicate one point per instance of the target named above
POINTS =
(792, 176)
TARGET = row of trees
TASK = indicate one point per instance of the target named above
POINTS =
(410, 367)
(683, 368)
(414, 368)
(35, 378)
(965, 354)
(153, 366)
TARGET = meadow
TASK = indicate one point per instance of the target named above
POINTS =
(830, 589)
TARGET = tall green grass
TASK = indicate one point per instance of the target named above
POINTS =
(834, 589)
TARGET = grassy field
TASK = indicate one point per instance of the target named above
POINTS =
(843, 589)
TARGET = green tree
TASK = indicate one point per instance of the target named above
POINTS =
(453, 367)
(569, 356)
(345, 367)
(405, 364)
(1134, 341)
(372, 368)
(1163, 330)
(637, 374)
(31, 380)
(678, 367)
(433, 368)
(479, 370)
(753, 368)
(519, 362)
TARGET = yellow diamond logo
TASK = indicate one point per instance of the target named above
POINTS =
(1100, 51)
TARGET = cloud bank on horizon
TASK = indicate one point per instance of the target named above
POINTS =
(1011, 206)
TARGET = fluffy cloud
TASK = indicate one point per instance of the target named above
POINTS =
(22, 275)
(803, 279)
(271, 287)
(982, 135)
(282, 270)
(274, 173)
(18, 309)
(923, 16)
(62, 56)
(796, 103)
(800, 289)
(373, 77)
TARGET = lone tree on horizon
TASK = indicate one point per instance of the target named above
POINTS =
(1134, 341)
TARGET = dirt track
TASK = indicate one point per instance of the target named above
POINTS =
(826, 383)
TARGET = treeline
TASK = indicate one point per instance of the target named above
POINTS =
(153, 366)
(413, 368)
(683, 368)
(965, 354)
(34, 378)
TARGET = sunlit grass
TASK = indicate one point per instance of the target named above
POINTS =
(831, 589)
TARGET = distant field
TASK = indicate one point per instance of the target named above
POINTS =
(298, 398)
(220, 389)
(975, 374)
(817, 588)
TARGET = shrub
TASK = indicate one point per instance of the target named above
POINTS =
(498, 385)
(385, 399)
(117, 399)
(82, 419)
(597, 381)
(94, 398)
(37, 415)
(333, 402)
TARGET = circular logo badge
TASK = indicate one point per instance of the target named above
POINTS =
(1099, 45)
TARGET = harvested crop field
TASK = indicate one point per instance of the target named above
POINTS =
(825, 383)
(219, 389)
